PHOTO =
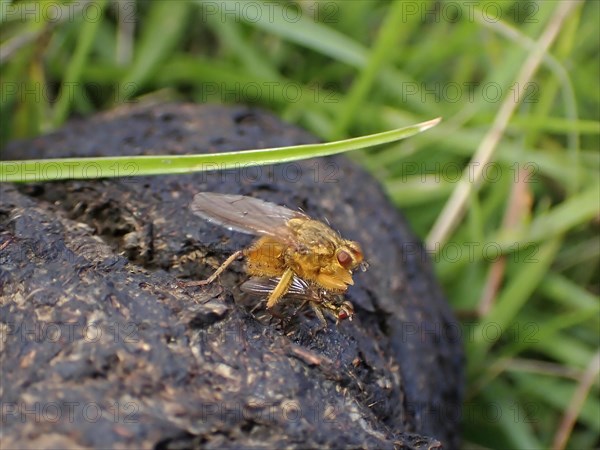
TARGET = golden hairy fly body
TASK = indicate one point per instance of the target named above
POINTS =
(293, 250)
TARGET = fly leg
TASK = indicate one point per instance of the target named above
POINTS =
(300, 307)
(217, 272)
(317, 309)
(273, 314)
(253, 310)
(281, 288)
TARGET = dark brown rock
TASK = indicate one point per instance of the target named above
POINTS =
(102, 347)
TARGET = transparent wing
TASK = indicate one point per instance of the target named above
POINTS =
(244, 214)
(299, 289)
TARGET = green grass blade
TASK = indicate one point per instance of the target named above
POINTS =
(125, 166)
(579, 209)
(72, 77)
(160, 35)
(512, 299)
(387, 39)
(305, 32)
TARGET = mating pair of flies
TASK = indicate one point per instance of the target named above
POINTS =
(295, 257)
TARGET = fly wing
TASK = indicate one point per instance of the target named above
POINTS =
(299, 289)
(244, 214)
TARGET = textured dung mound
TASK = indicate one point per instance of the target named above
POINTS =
(103, 346)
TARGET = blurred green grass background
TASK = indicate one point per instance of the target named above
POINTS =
(521, 264)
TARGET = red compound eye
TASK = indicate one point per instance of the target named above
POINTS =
(344, 259)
